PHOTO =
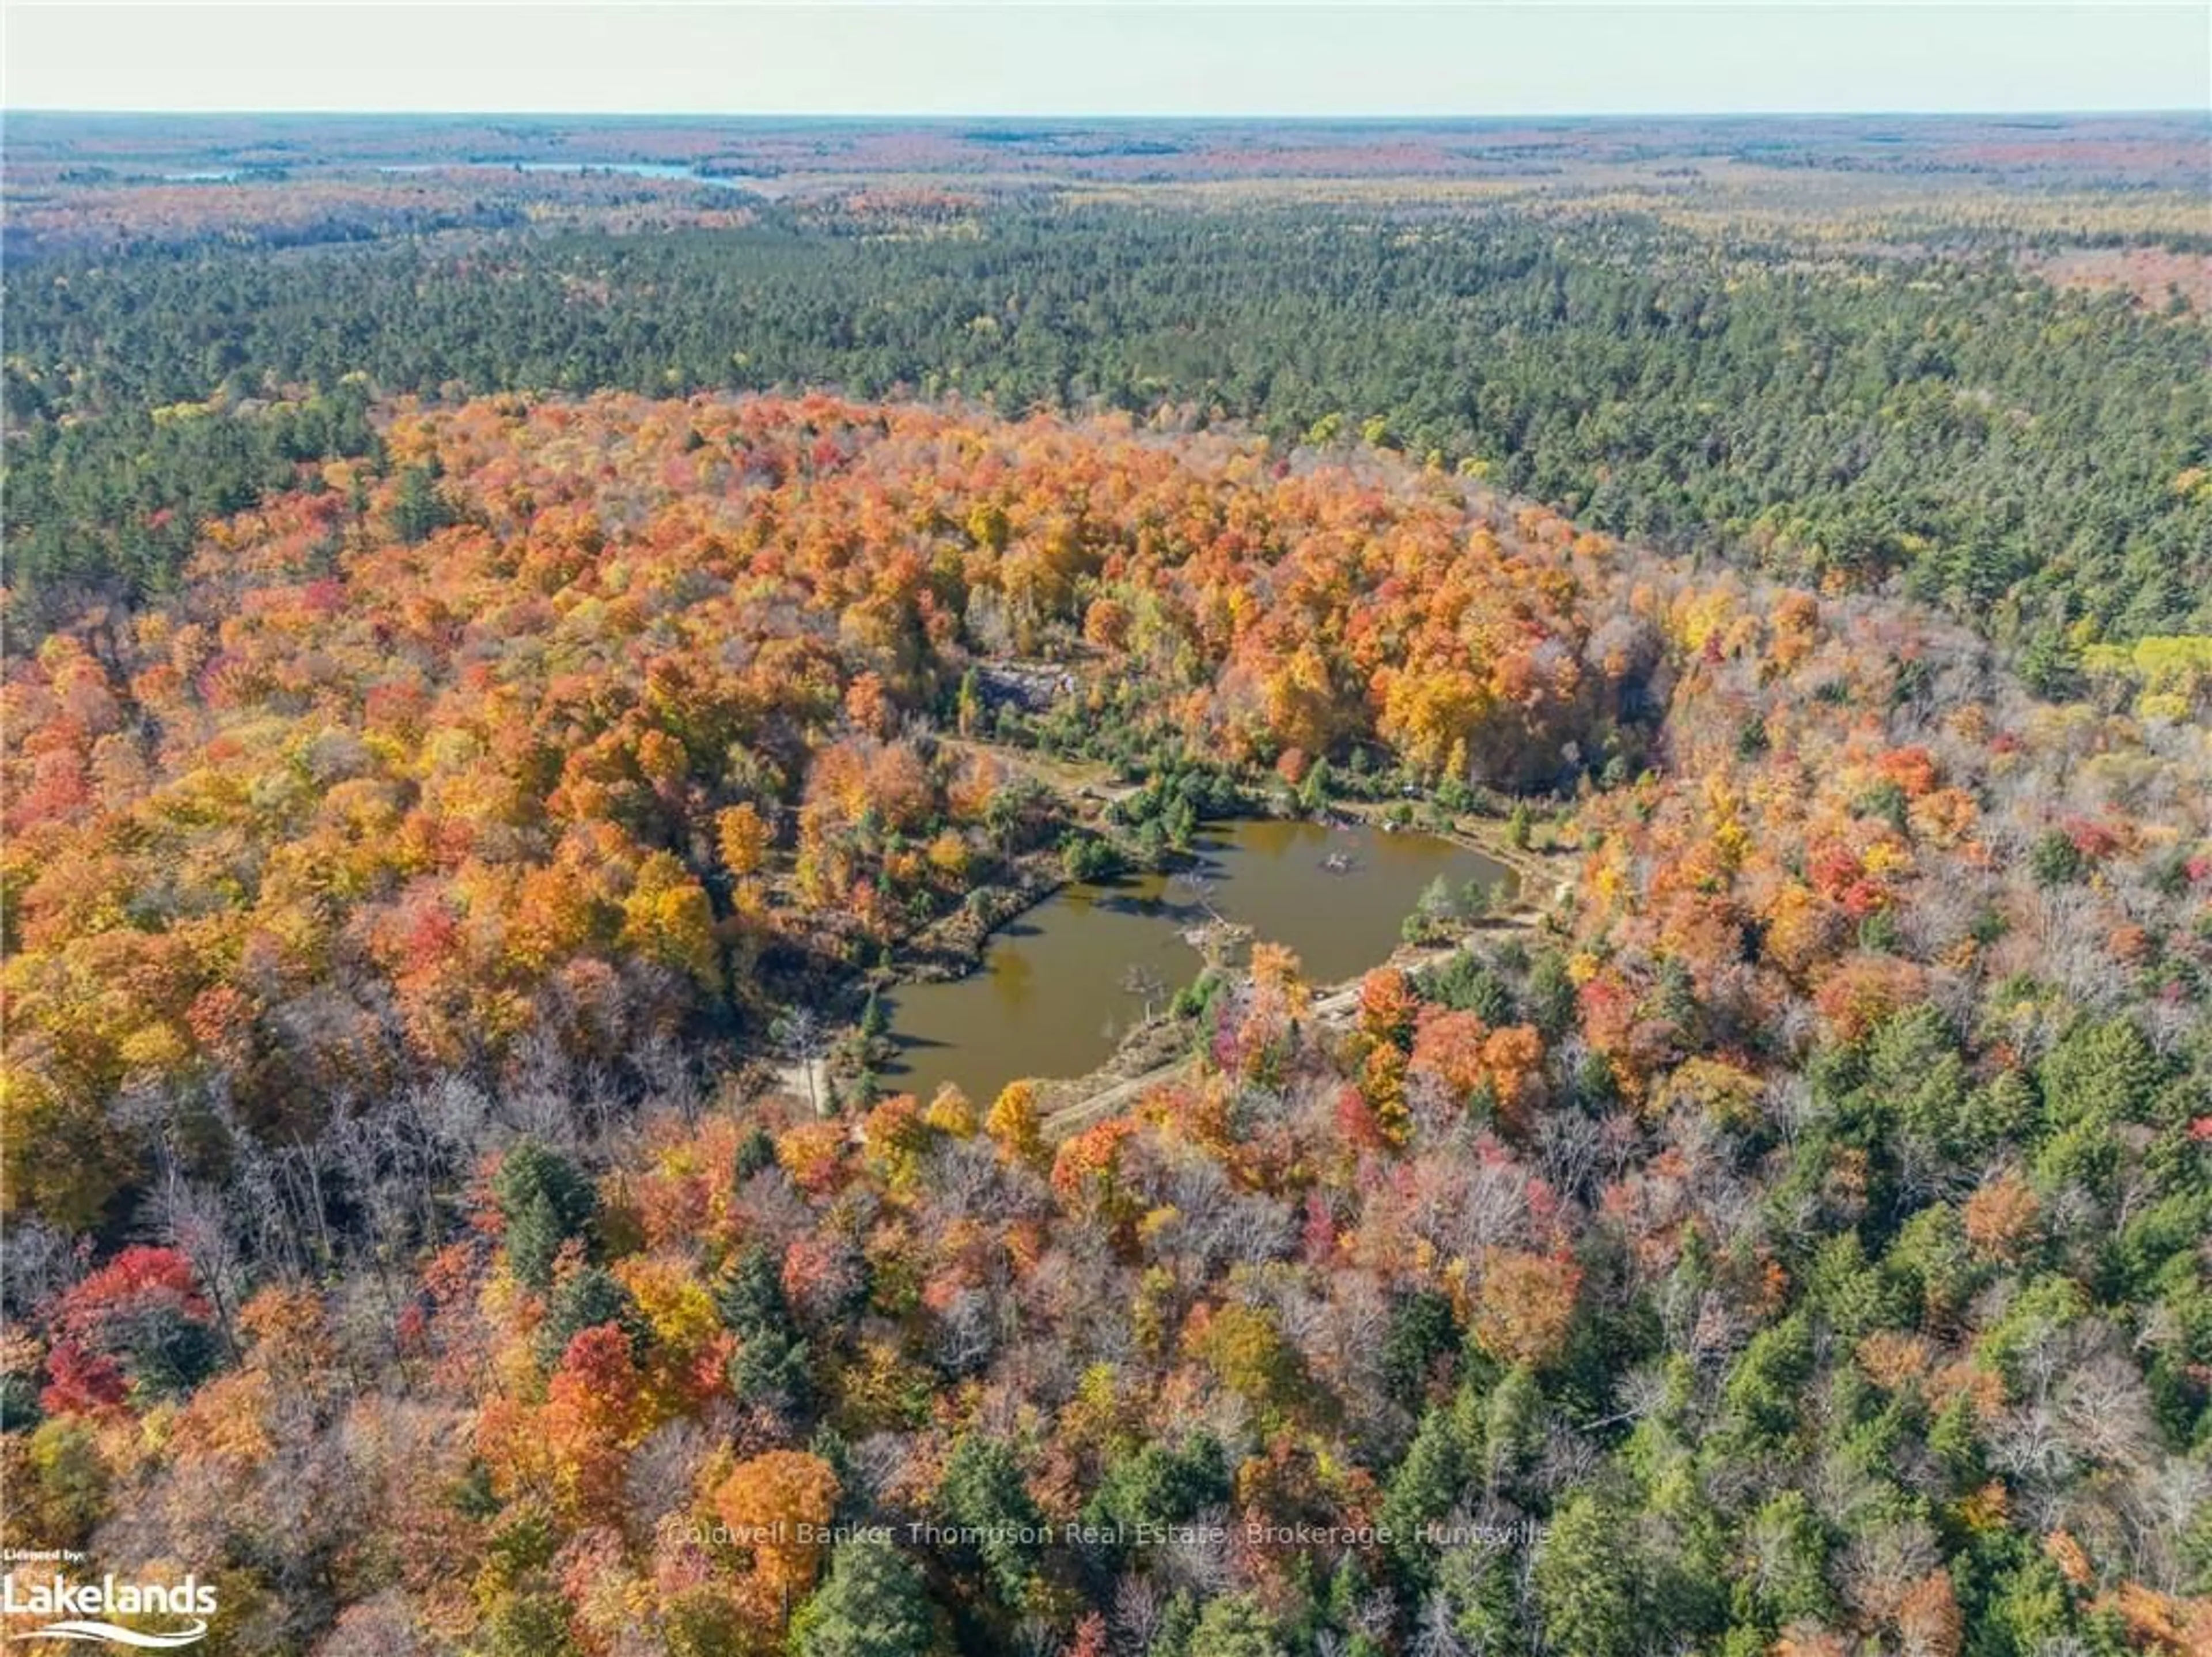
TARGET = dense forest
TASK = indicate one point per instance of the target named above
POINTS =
(1793, 1241)
(524, 636)
(2036, 460)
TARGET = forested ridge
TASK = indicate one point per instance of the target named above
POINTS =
(1795, 1244)
(2034, 459)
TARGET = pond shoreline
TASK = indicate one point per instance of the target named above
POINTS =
(955, 947)
(1064, 981)
(1152, 1055)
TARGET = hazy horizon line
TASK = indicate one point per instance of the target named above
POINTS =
(1309, 118)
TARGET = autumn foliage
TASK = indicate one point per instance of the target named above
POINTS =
(1794, 1213)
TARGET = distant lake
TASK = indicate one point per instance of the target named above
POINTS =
(1052, 997)
(632, 169)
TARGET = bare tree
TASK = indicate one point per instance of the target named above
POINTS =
(1146, 984)
(1195, 888)
(1435, 1634)
(800, 1035)
(189, 1218)
(966, 1331)
(1197, 1556)
(35, 1266)
(1136, 1615)
(383, 1625)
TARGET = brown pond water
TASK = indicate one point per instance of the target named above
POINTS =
(1061, 982)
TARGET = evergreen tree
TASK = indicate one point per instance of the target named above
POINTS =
(544, 1202)
(983, 1493)
(873, 1603)
(1234, 1626)
(1422, 1493)
(1586, 1582)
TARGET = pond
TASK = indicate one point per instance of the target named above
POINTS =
(1061, 983)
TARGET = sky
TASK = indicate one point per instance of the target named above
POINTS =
(1110, 57)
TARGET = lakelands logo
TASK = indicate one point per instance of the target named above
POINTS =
(77, 1609)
